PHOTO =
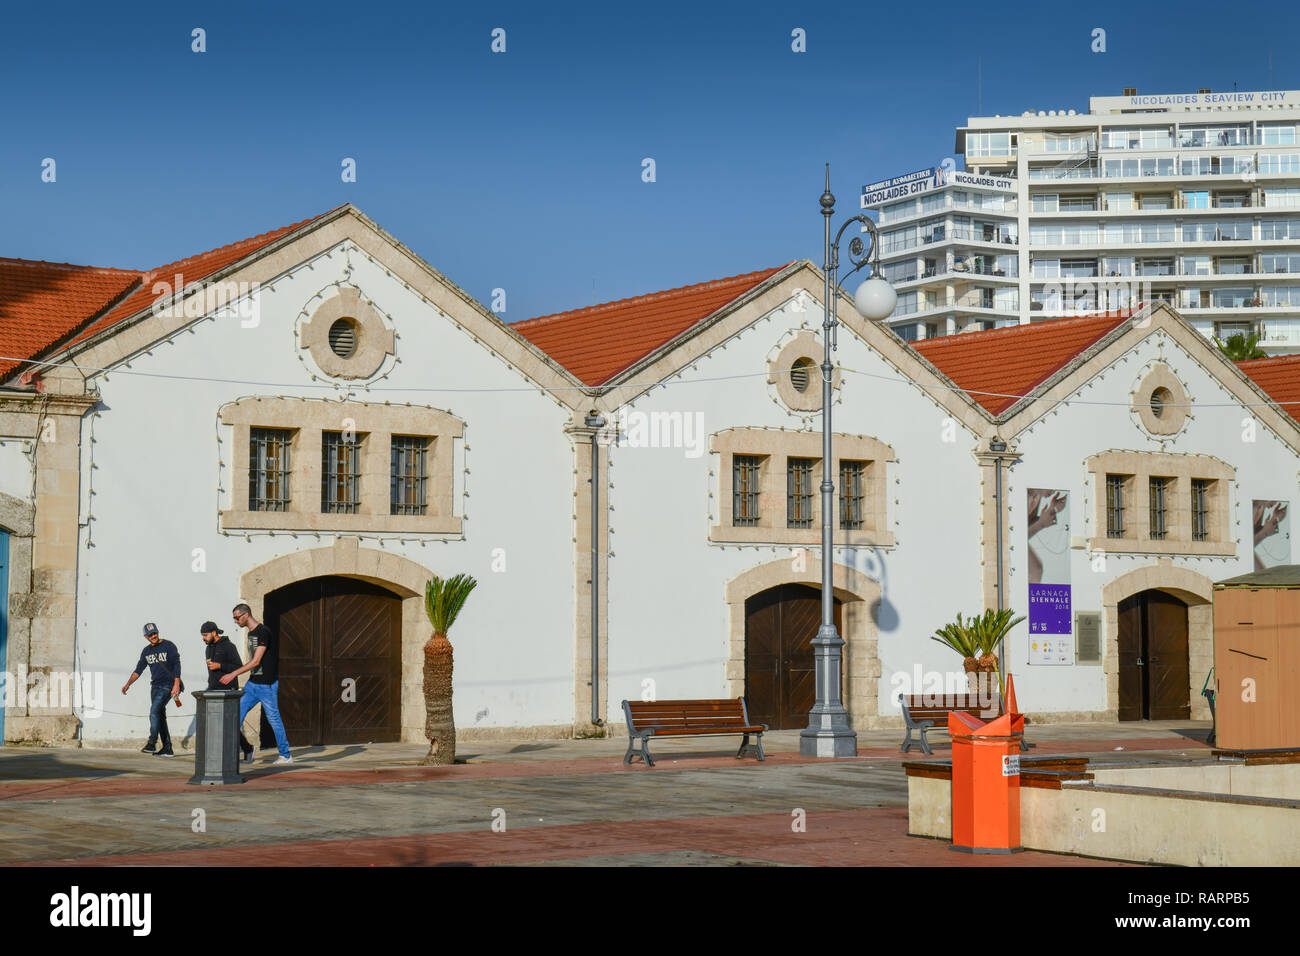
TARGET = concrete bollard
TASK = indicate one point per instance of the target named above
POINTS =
(216, 744)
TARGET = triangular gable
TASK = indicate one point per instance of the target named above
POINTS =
(800, 276)
(1061, 385)
(598, 342)
(131, 325)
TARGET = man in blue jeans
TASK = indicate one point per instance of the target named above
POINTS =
(263, 685)
(164, 663)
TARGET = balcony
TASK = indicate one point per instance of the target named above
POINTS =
(984, 235)
(1008, 207)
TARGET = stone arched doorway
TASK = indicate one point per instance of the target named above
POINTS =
(340, 668)
(1161, 612)
(856, 595)
(780, 675)
(1152, 659)
(391, 573)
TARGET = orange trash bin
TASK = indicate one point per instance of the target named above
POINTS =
(986, 780)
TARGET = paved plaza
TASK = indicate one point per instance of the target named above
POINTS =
(537, 802)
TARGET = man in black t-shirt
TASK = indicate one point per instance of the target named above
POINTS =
(263, 686)
(222, 659)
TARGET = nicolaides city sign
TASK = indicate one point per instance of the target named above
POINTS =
(921, 181)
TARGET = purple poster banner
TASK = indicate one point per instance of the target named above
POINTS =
(1049, 609)
(1051, 625)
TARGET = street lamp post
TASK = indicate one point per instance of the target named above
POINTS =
(828, 733)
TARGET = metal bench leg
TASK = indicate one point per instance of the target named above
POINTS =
(643, 752)
(925, 744)
(744, 745)
(760, 748)
(906, 746)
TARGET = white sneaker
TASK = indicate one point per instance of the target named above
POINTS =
(285, 760)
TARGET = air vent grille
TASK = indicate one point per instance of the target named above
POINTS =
(343, 338)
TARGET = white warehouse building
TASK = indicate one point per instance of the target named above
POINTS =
(321, 421)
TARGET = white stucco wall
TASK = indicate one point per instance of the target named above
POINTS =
(155, 481)
(1054, 451)
(16, 467)
(668, 613)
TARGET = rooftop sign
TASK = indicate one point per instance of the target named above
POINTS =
(924, 180)
(1189, 101)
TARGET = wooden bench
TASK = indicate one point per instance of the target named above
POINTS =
(688, 718)
(926, 712)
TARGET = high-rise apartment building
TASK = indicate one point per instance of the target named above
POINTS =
(1190, 198)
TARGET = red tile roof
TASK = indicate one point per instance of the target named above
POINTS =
(598, 342)
(191, 269)
(1013, 361)
(1279, 377)
(49, 304)
(43, 302)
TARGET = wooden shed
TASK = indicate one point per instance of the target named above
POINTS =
(1257, 660)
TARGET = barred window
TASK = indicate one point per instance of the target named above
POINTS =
(744, 490)
(268, 469)
(1201, 509)
(799, 495)
(1115, 506)
(1159, 495)
(852, 480)
(408, 476)
(340, 485)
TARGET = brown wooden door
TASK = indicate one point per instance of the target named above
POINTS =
(780, 676)
(1168, 679)
(340, 661)
(1132, 683)
(1153, 661)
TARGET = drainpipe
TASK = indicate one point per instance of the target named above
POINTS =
(596, 421)
(998, 445)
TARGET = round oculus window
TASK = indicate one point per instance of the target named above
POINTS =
(801, 374)
(343, 338)
(1159, 399)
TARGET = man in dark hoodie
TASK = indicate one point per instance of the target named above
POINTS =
(164, 663)
(222, 658)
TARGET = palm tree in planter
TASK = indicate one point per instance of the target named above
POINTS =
(959, 638)
(443, 600)
(977, 640)
(988, 631)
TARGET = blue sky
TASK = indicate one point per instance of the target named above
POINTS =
(522, 170)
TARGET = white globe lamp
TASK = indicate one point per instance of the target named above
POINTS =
(875, 299)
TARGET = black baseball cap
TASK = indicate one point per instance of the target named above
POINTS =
(150, 629)
(210, 626)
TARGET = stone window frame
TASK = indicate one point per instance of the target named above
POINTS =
(1174, 413)
(308, 419)
(804, 345)
(375, 341)
(776, 447)
(1138, 468)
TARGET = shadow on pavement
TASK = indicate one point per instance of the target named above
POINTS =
(60, 768)
(322, 755)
